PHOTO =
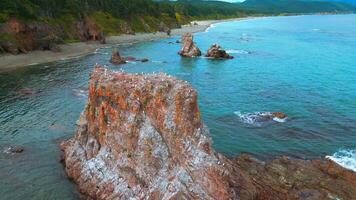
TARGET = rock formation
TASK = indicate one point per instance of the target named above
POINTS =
(279, 115)
(17, 37)
(188, 47)
(286, 178)
(116, 58)
(87, 30)
(216, 52)
(141, 136)
(126, 29)
(162, 27)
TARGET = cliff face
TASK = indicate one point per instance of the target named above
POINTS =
(141, 136)
(20, 37)
(17, 37)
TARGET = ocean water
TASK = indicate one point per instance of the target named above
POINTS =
(303, 66)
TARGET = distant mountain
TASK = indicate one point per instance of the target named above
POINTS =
(298, 6)
(343, 1)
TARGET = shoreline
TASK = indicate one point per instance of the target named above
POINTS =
(9, 62)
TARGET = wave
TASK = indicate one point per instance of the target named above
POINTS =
(236, 51)
(258, 118)
(345, 157)
(210, 27)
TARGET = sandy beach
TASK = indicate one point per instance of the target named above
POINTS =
(68, 51)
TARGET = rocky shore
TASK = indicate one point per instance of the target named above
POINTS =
(142, 137)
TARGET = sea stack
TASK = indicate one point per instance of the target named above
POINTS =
(216, 52)
(141, 136)
(188, 47)
(116, 58)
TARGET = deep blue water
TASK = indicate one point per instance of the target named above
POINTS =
(303, 66)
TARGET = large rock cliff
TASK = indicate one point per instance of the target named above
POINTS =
(141, 137)
(17, 36)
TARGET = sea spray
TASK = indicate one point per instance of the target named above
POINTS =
(345, 157)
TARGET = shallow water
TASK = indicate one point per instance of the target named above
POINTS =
(303, 66)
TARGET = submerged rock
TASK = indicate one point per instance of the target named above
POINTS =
(117, 59)
(279, 115)
(261, 118)
(188, 47)
(141, 137)
(144, 60)
(14, 150)
(215, 51)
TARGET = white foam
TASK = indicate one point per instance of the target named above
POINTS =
(258, 118)
(345, 157)
(210, 27)
(276, 119)
(237, 51)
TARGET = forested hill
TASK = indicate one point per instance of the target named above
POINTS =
(128, 10)
(297, 6)
(26, 25)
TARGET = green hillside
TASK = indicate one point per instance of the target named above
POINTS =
(295, 6)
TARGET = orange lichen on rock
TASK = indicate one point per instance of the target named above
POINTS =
(141, 137)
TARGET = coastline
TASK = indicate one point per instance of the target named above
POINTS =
(10, 62)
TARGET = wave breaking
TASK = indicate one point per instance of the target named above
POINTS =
(260, 118)
(345, 157)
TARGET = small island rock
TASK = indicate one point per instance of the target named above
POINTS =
(188, 47)
(215, 51)
(116, 58)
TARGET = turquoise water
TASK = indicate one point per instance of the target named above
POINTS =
(303, 66)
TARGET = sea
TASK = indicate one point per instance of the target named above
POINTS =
(302, 66)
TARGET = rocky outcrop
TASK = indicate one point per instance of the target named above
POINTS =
(141, 136)
(188, 47)
(162, 27)
(216, 52)
(279, 115)
(126, 29)
(286, 178)
(116, 58)
(21, 37)
(87, 30)
(18, 37)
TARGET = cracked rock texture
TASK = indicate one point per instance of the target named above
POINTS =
(141, 137)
